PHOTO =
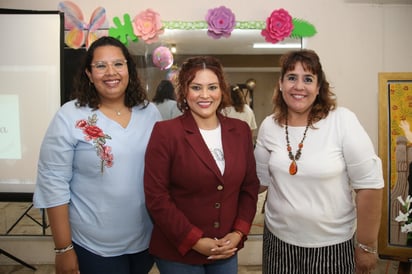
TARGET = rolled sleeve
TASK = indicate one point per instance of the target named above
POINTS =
(363, 165)
(367, 174)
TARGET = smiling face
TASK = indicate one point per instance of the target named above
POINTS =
(109, 73)
(203, 98)
(299, 90)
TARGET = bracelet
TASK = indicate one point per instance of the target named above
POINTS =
(367, 248)
(64, 249)
(238, 233)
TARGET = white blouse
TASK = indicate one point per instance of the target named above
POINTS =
(315, 207)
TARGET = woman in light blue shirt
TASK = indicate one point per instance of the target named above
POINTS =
(90, 171)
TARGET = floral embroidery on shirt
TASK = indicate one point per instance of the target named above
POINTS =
(99, 138)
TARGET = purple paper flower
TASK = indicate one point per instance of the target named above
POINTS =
(221, 22)
(279, 25)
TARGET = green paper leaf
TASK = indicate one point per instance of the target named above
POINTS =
(123, 31)
(302, 28)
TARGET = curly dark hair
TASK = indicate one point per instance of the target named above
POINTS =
(187, 73)
(325, 101)
(85, 92)
(165, 90)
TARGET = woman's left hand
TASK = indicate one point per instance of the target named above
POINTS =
(365, 262)
(227, 246)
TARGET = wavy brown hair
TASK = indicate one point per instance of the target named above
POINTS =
(326, 99)
(85, 92)
(187, 73)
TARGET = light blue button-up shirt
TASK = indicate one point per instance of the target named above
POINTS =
(107, 207)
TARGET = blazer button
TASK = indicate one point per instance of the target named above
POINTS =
(216, 224)
(217, 205)
(219, 187)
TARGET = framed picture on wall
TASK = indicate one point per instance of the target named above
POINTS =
(395, 150)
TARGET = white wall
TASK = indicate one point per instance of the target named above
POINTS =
(354, 41)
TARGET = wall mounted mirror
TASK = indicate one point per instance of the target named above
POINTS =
(196, 42)
(240, 59)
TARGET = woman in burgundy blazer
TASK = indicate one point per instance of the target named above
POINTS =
(201, 191)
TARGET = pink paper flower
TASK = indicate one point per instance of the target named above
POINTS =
(221, 22)
(279, 25)
(148, 26)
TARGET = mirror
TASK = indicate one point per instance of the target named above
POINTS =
(240, 60)
(197, 42)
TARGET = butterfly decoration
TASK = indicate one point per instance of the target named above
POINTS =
(78, 32)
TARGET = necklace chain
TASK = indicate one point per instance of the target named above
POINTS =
(117, 111)
(293, 168)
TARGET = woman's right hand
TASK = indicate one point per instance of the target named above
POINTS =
(66, 263)
(215, 249)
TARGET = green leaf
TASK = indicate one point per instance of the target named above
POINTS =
(302, 28)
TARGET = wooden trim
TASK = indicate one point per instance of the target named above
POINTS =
(387, 249)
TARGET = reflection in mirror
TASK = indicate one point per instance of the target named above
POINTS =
(196, 42)
(240, 59)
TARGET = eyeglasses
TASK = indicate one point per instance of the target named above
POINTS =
(103, 66)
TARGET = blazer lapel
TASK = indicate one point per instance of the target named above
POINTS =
(229, 143)
(198, 145)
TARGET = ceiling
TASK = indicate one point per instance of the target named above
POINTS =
(192, 42)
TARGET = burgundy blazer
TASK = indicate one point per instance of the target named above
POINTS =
(187, 196)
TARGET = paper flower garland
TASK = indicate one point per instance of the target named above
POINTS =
(221, 22)
(147, 25)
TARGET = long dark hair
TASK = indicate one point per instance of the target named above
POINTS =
(165, 90)
(238, 101)
(187, 73)
(326, 99)
(85, 92)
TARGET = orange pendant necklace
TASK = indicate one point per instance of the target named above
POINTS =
(293, 168)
